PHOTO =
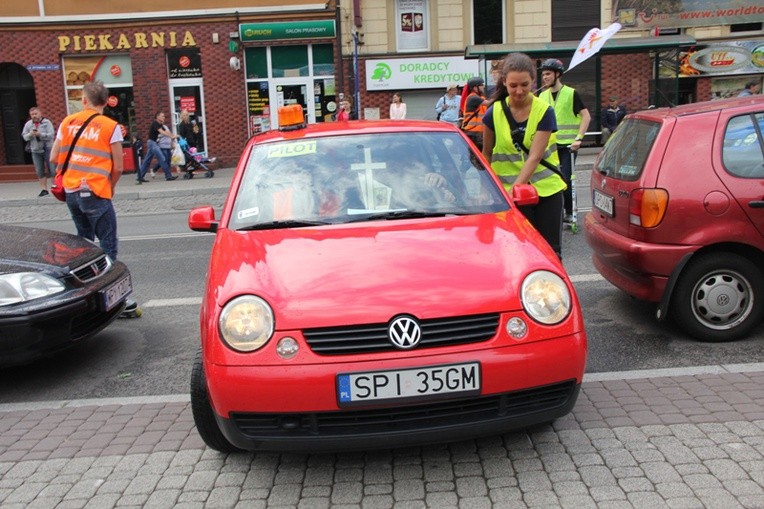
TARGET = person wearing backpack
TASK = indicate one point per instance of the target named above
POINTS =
(447, 108)
(474, 108)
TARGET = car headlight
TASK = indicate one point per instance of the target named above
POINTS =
(24, 286)
(246, 323)
(545, 297)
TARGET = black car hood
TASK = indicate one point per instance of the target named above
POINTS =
(34, 249)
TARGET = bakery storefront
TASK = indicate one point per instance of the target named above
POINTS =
(229, 73)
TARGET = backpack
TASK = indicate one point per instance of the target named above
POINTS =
(437, 117)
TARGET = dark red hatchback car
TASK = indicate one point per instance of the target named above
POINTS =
(678, 214)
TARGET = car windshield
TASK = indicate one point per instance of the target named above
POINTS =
(626, 151)
(362, 177)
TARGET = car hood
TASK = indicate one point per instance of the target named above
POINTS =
(35, 250)
(324, 276)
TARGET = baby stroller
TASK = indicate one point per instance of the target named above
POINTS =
(195, 161)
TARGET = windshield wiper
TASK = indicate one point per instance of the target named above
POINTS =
(287, 223)
(403, 214)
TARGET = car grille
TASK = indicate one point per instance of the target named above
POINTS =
(92, 270)
(83, 325)
(402, 418)
(373, 338)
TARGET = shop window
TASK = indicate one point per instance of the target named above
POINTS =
(488, 21)
(289, 61)
(115, 71)
(256, 63)
(323, 60)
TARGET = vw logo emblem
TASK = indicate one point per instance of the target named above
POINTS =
(404, 332)
(604, 182)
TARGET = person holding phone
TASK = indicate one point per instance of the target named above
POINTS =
(39, 134)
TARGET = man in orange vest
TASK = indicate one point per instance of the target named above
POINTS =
(93, 170)
(474, 109)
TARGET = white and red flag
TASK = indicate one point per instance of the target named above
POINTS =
(592, 42)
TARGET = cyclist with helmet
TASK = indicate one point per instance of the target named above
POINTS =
(572, 120)
(474, 109)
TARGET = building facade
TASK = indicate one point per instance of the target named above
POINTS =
(231, 65)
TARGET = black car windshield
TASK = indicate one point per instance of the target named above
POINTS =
(356, 177)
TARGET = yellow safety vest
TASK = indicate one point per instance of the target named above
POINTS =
(91, 158)
(507, 160)
(567, 122)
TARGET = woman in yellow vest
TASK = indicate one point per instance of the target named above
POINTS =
(519, 140)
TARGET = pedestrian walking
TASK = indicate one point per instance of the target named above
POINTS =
(153, 150)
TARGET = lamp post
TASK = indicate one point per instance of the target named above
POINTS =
(356, 89)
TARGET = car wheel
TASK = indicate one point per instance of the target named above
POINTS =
(717, 297)
(202, 411)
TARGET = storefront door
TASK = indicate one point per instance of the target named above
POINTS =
(286, 91)
(188, 94)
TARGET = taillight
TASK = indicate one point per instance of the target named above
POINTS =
(647, 207)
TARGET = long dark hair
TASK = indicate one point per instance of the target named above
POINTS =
(514, 62)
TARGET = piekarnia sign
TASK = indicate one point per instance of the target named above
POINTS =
(106, 42)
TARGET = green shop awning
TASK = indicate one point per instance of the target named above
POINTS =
(566, 48)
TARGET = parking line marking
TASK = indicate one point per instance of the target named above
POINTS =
(163, 303)
(585, 278)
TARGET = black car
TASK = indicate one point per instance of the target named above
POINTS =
(55, 289)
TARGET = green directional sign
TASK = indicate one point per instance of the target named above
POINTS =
(319, 29)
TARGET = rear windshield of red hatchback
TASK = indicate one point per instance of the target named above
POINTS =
(625, 153)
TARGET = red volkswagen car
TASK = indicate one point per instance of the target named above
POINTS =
(372, 285)
(678, 214)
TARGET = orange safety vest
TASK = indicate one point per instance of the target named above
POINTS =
(91, 159)
(473, 121)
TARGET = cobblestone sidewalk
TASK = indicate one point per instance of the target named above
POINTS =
(694, 441)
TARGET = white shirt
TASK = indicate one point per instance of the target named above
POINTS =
(397, 111)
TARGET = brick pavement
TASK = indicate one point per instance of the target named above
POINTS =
(691, 438)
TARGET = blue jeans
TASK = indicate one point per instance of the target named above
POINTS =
(153, 151)
(94, 217)
(167, 153)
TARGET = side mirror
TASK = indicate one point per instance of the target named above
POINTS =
(202, 219)
(524, 194)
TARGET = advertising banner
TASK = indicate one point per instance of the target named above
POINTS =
(413, 25)
(641, 14)
(418, 73)
(723, 59)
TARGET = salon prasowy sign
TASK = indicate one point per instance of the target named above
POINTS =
(418, 73)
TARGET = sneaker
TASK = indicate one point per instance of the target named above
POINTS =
(171, 178)
(130, 305)
(153, 174)
(568, 218)
(44, 192)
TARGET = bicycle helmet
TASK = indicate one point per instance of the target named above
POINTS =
(474, 82)
(552, 64)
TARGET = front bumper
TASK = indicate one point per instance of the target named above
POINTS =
(42, 328)
(295, 408)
